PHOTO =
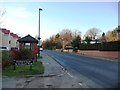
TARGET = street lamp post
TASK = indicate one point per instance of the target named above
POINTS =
(39, 31)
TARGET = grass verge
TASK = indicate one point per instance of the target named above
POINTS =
(39, 57)
(37, 68)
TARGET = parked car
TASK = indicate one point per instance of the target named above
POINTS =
(4, 48)
(14, 48)
(41, 49)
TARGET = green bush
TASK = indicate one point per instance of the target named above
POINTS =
(25, 54)
(14, 54)
(9, 56)
(6, 59)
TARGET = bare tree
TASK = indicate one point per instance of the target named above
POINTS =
(63, 38)
(66, 36)
(2, 13)
(76, 33)
(93, 33)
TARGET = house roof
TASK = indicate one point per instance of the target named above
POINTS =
(14, 35)
(5, 31)
(28, 39)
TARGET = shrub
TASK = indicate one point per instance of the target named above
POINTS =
(14, 54)
(25, 54)
(6, 59)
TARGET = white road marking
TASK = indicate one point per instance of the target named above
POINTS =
(70, 75)
(80, 84)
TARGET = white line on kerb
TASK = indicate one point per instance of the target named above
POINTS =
(70, 75)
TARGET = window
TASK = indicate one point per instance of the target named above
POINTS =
(9, 42)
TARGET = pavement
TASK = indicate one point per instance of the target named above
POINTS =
(55, 76)
(60, 78)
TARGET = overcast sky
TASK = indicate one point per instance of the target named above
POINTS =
(22, 17)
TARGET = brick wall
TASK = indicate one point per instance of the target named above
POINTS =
(109, 54)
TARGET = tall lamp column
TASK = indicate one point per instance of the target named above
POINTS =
(39, 32)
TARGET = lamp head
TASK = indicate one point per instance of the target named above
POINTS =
(40, 9)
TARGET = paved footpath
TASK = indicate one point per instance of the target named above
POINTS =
(59, 78)
(54, 77)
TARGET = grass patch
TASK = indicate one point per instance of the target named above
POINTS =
(39, 57)
(37, 68)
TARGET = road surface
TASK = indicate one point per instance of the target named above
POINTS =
(94, 72)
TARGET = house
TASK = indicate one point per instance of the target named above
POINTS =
(8, 39)
(14, 42)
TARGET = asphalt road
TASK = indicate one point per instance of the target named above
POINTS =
(94, 72)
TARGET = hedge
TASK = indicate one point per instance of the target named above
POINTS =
(107, 46)
(95, 46)
(110, 46)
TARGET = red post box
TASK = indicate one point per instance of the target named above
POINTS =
(36, 50)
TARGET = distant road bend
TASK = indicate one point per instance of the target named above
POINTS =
(94, 72)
